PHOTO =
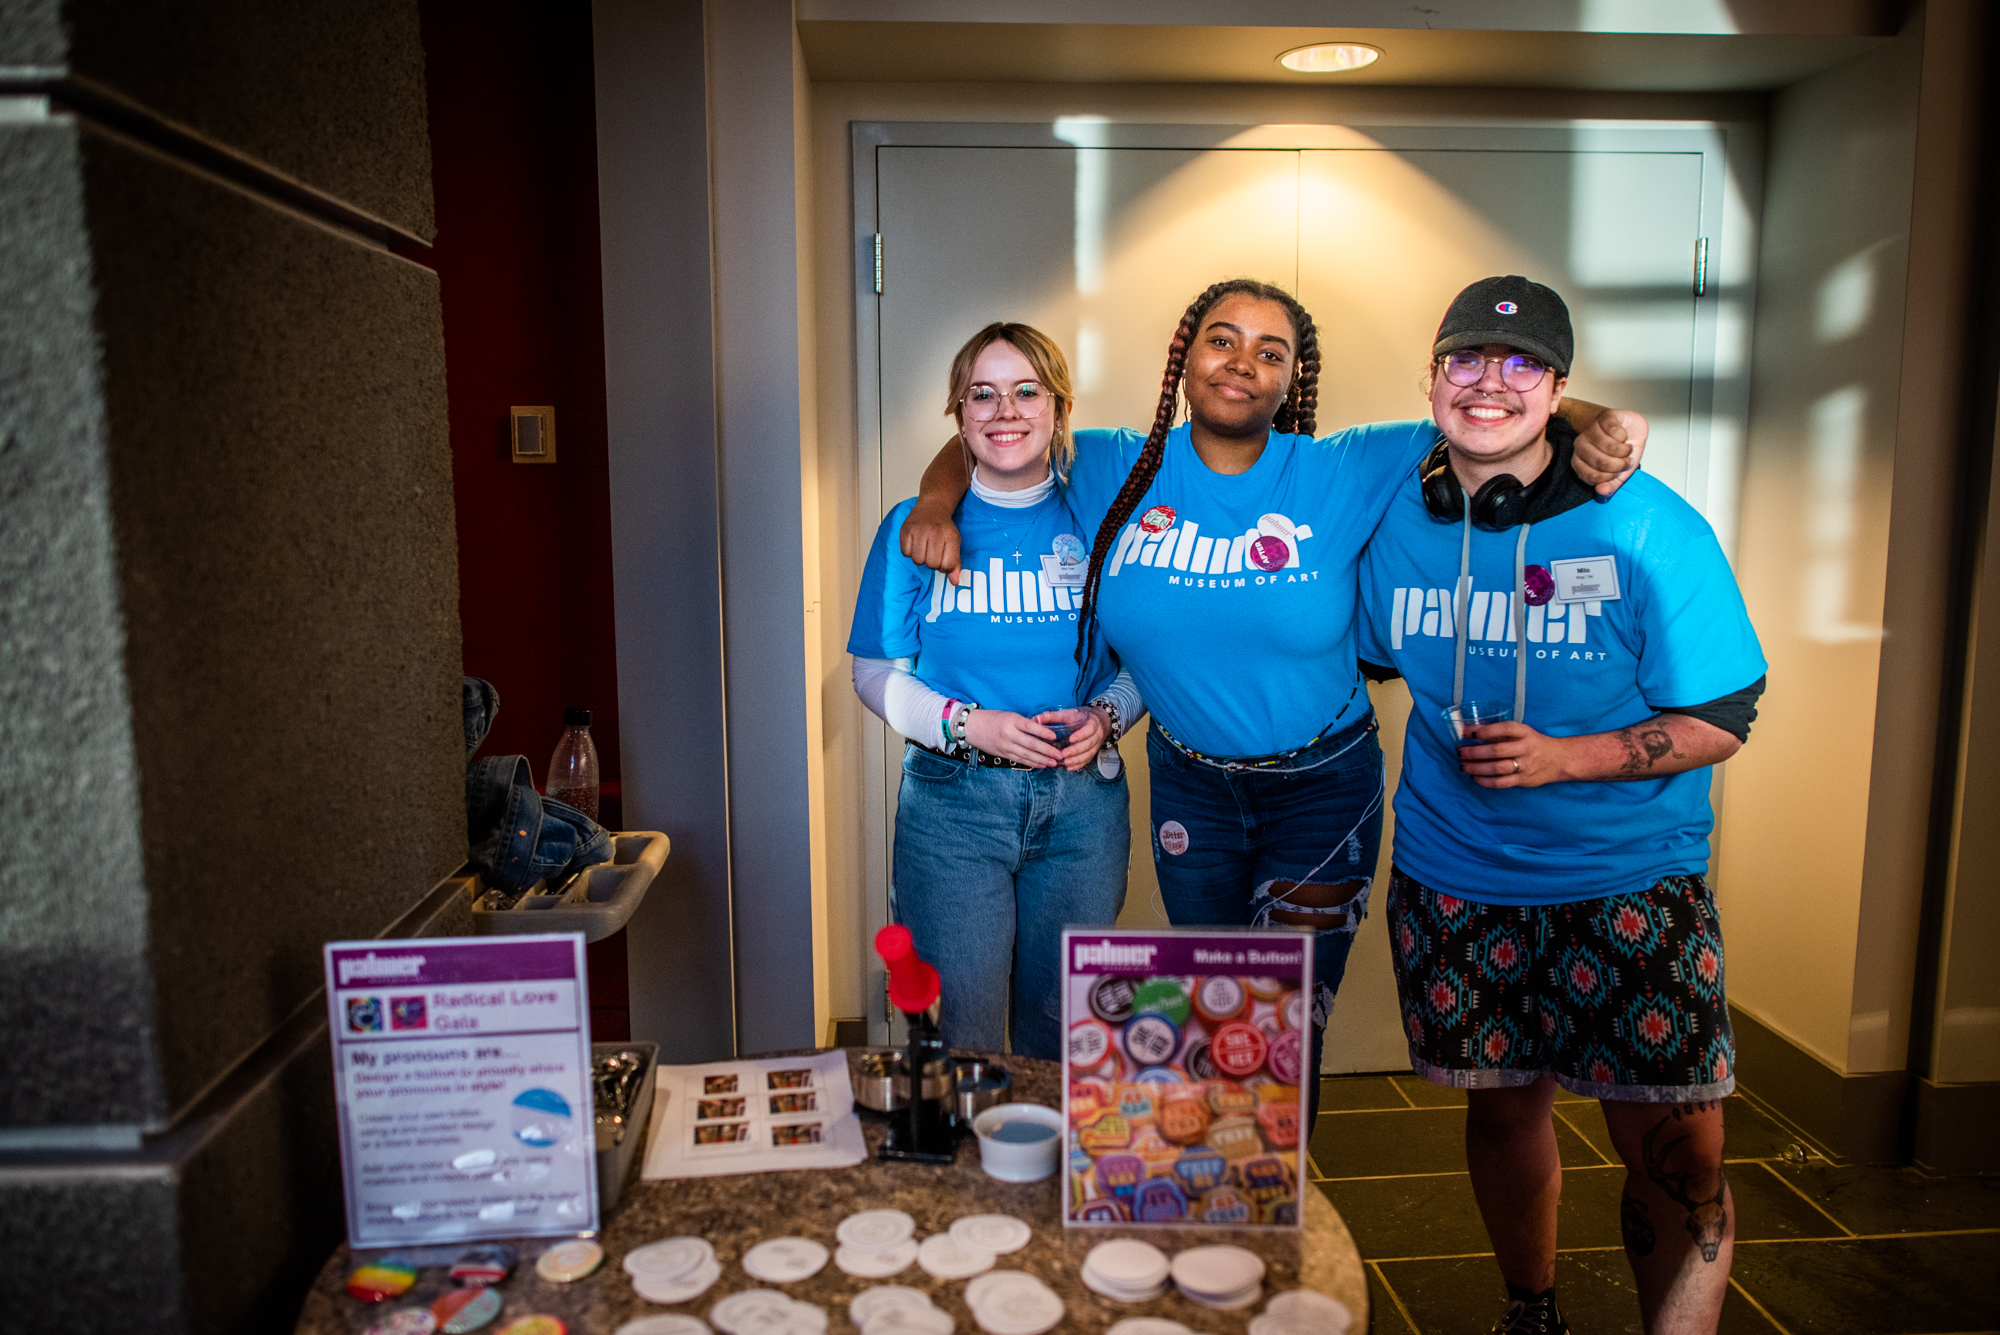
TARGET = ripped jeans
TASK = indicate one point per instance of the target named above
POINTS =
(1231, 845)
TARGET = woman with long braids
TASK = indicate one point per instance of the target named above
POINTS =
(1224, 575)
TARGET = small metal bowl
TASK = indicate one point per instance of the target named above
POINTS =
(880, 1086)
(872, 1072)
(981, 1084)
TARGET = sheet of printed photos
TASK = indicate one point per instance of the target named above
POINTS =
(1182, 1079)
(739, 1106)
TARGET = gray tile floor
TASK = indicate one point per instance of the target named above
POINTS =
(1820, 1246)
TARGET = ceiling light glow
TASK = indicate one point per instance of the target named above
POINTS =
(1330, 57)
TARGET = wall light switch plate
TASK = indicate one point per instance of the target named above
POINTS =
(534, 435)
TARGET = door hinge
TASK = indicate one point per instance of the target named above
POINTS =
(878, 264)
(1700, 266)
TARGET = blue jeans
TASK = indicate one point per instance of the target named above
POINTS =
(990, 866)
(1232, 835)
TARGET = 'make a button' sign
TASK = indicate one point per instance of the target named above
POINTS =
(1587, 579)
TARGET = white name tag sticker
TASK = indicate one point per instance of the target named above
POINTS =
(1063, 574)
(1587, 579)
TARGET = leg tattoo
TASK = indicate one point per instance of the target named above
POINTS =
(1706, 1218)
(1635, 1222)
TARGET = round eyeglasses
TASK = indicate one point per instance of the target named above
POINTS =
(983, 402)
(1518, 372)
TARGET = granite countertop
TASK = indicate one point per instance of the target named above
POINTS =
(736, 1212)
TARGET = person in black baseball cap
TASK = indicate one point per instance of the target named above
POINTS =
(1513, 311)
(1576, 665)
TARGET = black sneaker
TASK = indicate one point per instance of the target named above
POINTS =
(1539, 1316)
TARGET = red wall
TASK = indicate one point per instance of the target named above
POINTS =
(514, 164)
(514, 168)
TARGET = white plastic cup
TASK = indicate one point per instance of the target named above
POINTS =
(1019, 1160)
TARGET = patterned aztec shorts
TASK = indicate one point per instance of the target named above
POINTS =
(1618, 998)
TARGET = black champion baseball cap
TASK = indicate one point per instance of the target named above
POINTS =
(1513, 311)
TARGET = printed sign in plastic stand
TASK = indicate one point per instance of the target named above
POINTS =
(1183, 1076)
(462, 1071)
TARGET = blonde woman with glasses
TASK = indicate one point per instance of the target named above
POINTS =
(1011, 821)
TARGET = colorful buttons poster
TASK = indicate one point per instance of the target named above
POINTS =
(462, 1071)
(754, 1117)
(1182, 1076)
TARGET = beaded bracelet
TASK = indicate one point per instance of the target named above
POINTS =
(1117, 724)
(956, 729)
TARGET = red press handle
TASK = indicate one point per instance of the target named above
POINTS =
(913, 984)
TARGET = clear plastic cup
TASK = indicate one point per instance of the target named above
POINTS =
(1476, 714)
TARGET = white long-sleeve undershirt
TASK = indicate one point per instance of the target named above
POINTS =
(894, 694)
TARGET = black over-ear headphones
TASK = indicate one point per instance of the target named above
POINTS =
(1500, 503)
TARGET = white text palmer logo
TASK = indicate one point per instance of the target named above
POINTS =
(1489, 615)
(1256, 555)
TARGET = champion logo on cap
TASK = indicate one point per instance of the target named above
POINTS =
(1506, 308)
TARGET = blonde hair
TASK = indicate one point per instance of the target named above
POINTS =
(1050, 366)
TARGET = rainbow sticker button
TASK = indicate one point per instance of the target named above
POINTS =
(379, 1280)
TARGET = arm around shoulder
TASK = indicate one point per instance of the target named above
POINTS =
(929, 536)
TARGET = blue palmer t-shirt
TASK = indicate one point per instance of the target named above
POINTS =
(1676, 634)
(1006, 638)
(1231, 598)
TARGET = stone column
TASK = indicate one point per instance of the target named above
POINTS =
(228, 630)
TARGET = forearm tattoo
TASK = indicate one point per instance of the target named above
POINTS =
(1707, 1218)
(1646, 744)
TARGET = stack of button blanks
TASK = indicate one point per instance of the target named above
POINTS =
(766, 1312)
(1126, 1271)
(1013, 1302)
(785, 1260)
(1221, 1277)
(893, 1309)
(996, 1233)
(1148, 1325)
(1302, 1312)
(674, 1270)
(946, 1257)
(665, 1323)
(875, 1244)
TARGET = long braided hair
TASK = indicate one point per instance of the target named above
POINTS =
(1295, 414)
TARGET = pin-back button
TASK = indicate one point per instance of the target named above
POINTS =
(1238, 1049)
(488, 1263)
(464, 1310)
(1162, 996)
(538, 1324)
(1220, 998)
(567, 1262)
(1111, 999)
(407, 1321)
(1151, 1039)
(379, 1280)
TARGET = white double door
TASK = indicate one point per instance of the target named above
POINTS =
(1103, 247)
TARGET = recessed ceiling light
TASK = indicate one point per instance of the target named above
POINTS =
(1330, 57)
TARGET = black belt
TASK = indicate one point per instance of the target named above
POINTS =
(980, 758)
